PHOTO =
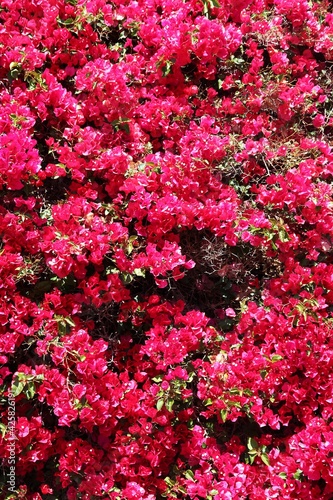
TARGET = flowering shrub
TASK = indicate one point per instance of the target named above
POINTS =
(166, 235)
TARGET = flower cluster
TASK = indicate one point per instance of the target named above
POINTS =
(166, 248)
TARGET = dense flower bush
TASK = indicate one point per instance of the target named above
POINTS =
(166, 251)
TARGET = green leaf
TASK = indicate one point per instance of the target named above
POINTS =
(130, 244)
(298, 474)
(169, 404)
(121, 124)
(208, 402)
(125, 127)
(167, 68)
(14, 65)
(276, 357)
(234, 390)
(62, 328)
(264, 458)
(30, 390)
(252, 444)
(126, 278)
(139, 272)
(66, 22)
(69, 321)
(235, 404)
(17, 387)
(224, 414)
(15, 70)
(283, 235)
(169, 482)
(3, 429)
(213, 492)
(160, 404)
(210, 4)
(189, 475)
(250, 459)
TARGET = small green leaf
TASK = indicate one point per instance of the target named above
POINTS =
(160, 404)
(62, 328)
(234, 390)
(15, 70)
(252, 444)
(69, 321)
(30, 390)
(189, 475)
(125, 127)
(283, 235)
(224, 414)
(130, 246)
(169, 482)
(126, 278)
(264, 458)
(139, 272)
(276, 357)
(17, 387)
(235, 404)
(298, 474)
(66, 22)
(14, 65)
(169, 404)
(121, 124)
(167, 68)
